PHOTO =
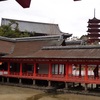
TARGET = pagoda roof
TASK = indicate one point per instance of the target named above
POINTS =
(94, 20)
(93, 30)
(93, 26)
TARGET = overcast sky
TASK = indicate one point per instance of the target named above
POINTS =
(72, 17)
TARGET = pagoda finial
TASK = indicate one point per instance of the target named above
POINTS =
(94, 12)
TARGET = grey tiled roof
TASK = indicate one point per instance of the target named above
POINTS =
(36, 27)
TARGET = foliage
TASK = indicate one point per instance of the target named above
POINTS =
(8, 31)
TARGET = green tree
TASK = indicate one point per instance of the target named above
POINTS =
(7, 31)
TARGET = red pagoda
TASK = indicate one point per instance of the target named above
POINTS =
(93, 30)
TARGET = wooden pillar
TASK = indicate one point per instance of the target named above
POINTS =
(73, 84)
(8, 68)
(34, 82)
(80, 74)
(49, 83)
(20, 81)
(97, 71)
(34, 73)
(67, 70)
(7, 79)
(86, 77)
(86, 88)
(20, 69)
(66, 85)
(86, 73)
(50, 70)
(96, 75)
(70, 69)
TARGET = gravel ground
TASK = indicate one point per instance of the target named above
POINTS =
(18, 93)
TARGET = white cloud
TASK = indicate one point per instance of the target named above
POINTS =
(71, 16)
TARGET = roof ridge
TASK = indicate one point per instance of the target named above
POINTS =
(30, 21)
(7, 39)
(71, 47)
(30, 38)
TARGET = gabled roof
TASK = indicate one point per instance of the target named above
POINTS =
(36, 27)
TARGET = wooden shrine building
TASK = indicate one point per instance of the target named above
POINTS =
(48, 59)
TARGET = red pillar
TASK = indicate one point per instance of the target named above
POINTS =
(67, 70)
(20, 69)
(8, 68)
(50, 70)
(70, 69)
(86, 72)
(34, 74)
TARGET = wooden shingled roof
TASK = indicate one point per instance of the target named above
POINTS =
(46, 47)
(6, 46)
(69, 52)
(25, 47)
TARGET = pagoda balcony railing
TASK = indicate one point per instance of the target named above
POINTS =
(93, 26)
(93, 35)
(93, 30)
(92, 40)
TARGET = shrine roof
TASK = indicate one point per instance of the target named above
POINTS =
(80, 51)
(34, 27)
(68, 52)
(6, 47)
(45, 47)
(28, 45)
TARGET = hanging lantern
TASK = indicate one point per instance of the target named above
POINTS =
(24, 3)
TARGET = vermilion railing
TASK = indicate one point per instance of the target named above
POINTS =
(42, 75)
(58, 75)
(27, 74)
(14, 73)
